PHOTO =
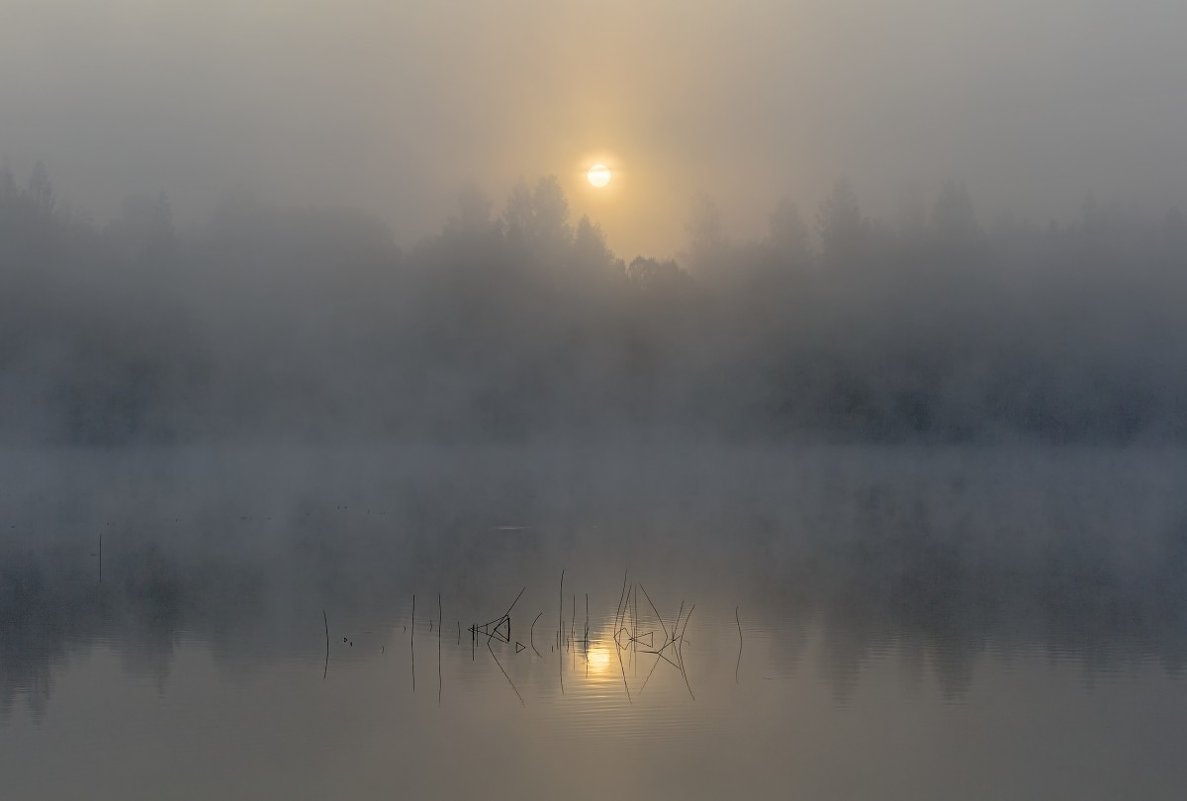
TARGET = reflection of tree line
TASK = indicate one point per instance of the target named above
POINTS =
(885, 588)
(160, 586)
(941, 605)
(312, 324)
(52, 607)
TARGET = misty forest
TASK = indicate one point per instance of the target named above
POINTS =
(514, 324)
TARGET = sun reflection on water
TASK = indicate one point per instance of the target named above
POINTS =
(599, 659)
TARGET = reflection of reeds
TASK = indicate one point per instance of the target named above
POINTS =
(621, 597)
(560, 626)
(673, 640)
(617, 648)
(532, 634)
(635, 628)
(493, 630)
(438, 649)
(507, 614)
(658, 616)
(680, 652)
(676, 622)
(629, 636)
(585, 636)
(666, 641)
(326, 667)
(739, 665)
(504, 672)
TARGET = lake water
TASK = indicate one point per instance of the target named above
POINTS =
(820, 623)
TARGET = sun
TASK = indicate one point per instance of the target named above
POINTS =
(599, 175)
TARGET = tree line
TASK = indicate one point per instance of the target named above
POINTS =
(517, 324)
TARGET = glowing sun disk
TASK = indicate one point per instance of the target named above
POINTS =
(599, 175)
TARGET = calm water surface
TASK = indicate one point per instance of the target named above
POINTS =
(829, 623)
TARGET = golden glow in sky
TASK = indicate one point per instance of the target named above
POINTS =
(599, 175)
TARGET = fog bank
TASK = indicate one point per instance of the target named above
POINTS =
(516, 324)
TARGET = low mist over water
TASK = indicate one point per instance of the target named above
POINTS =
(265, 622)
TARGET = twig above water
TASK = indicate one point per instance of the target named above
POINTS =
(326, 667)
(739, 665)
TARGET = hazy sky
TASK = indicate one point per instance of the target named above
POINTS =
(393, 106)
